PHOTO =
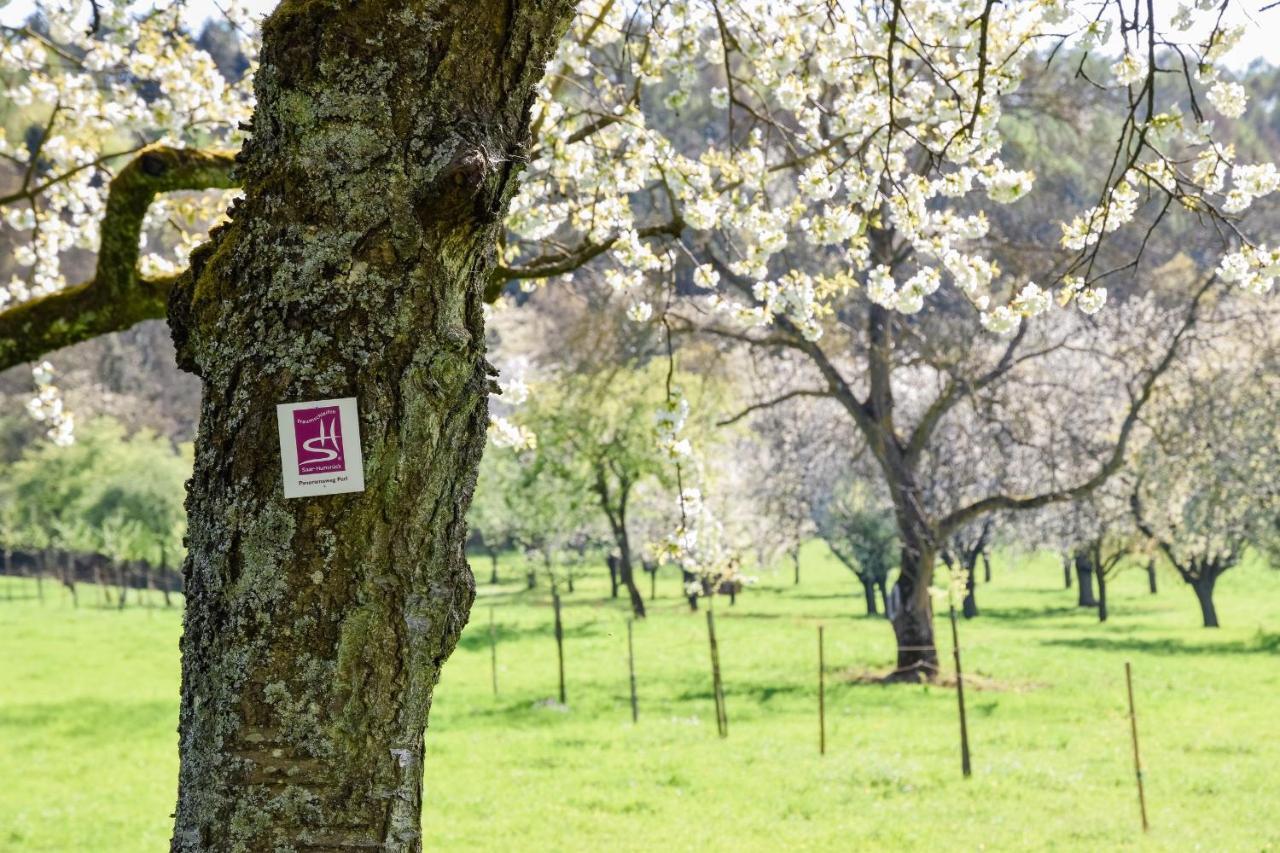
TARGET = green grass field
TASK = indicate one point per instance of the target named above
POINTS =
(88, 707)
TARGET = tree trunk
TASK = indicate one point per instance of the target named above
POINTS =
(122, 575)
(1151, 576)
(1204, 595)
(869, 594)
(1084, 577)
(100, 582)
(795, 560)
(69, 578)
(911, 612)
(909, 607)
(986, 567)
(385, 146)
(493, 567)
(627, 576)
(970, 606)
(686, 580)
(1102, 596)
(612, 562)
(1066, 571)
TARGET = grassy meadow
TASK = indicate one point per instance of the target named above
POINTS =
(89, 700)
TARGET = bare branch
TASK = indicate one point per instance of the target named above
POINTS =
(766, 404)
(1114, 462)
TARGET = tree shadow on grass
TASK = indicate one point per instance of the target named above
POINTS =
(759, 693)
(1261, 643)
(1020, 614)
(855, 677)
(477, 638)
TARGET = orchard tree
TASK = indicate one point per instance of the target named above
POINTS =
(383, 147)
(861, 533)
(550, 515)
(1102, 537)
(962, 552)
(1207, 483)
(491, 519)
(854, 156)
(135, 518)
(791, 458)
(596, 434)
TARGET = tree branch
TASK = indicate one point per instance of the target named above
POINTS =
(569, 260)
(956, 387)
(1117, 458)
(766, 404)
(117, 297)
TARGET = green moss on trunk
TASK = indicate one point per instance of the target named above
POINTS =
(384, 154)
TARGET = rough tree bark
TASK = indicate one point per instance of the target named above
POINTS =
(912, 611)
(384, 152)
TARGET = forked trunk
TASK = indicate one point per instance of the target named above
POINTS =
(384, 151)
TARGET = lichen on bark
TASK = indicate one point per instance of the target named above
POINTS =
(385, 148)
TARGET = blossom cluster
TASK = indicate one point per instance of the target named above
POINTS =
(92, 97)
(47, 407)
(831, 132)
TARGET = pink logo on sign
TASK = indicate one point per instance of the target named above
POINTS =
(318, 434)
